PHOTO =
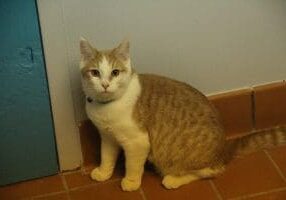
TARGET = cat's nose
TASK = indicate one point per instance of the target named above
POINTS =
(105, 85)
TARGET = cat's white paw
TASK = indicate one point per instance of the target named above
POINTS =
(171, 182)
(100, 175)
(130, 185)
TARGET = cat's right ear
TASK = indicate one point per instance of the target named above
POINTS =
(86, 50)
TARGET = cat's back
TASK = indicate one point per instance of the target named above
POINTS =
(162, 86)
(158, 92)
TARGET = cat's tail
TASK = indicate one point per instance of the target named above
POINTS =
(261, 139)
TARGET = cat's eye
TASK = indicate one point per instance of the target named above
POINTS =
(115, 72)
(95, 72)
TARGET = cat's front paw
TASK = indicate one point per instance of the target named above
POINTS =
(130, 185)
(100, 175)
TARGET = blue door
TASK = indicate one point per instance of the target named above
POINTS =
(27, 143)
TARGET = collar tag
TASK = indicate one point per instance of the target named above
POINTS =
(89, 99)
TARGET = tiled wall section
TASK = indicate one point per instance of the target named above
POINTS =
(90, 143)
(235, 109)
(241, 111)
(270, 105)
(259, 107)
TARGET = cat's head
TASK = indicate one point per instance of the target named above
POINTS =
(105, 74)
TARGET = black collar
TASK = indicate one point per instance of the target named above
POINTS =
(90, 100)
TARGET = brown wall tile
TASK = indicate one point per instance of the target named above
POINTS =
(236, 110)
(270, 105)
(90, 143)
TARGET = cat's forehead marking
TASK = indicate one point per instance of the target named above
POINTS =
(105, 67)
(104, 62)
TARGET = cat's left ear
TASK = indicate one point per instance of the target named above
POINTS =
(86, 50)
(122, 51)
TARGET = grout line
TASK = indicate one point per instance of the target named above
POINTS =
(253, 109)
(275, 166)
(259, 194)
(141, 191)
(47, 194)
(71, 172)
(94, 184)
(64, 181)
(216, 191)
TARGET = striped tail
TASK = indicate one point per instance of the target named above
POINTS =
(261, 139)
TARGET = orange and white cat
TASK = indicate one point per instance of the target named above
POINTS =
(155, 118)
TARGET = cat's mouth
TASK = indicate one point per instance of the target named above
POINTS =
(105, 92)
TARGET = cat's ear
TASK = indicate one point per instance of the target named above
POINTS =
(122, 50)
(86, 50)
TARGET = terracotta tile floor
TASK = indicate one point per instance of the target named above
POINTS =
(258, 176)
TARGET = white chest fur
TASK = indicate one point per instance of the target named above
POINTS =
(115, 118)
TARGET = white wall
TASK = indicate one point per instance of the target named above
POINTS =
(213, 45)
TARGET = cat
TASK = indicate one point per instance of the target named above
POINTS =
(155, 118)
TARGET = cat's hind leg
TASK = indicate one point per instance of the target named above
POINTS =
(173, 182)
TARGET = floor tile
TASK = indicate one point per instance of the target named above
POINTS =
(60, 196)
(270, 109)
(278, 154)
(238, 120)
(32, 188)
(109, 191)
(252, 174)
(198, 190)
(78, 179)
(271, 196)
